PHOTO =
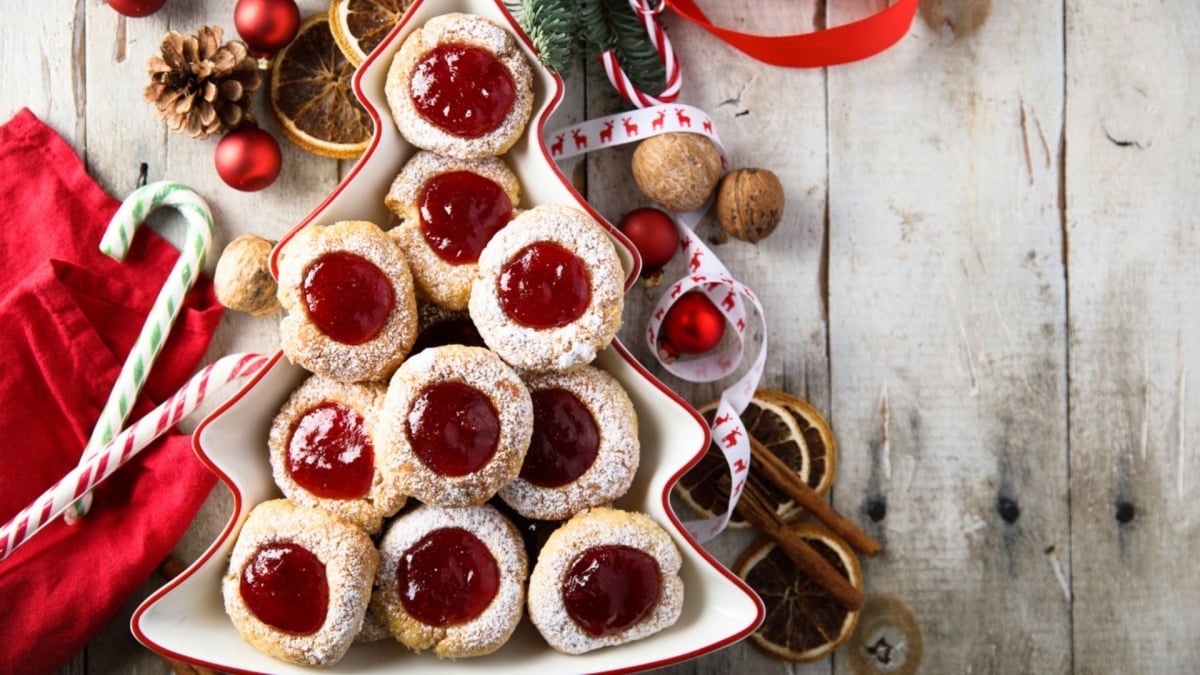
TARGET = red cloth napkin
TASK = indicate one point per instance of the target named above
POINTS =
(68, 317)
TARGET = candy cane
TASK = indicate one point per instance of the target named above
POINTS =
(666, 53)
(115, 243)
(100, 465)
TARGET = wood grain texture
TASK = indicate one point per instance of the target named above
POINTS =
(947, 308)
(985, 278)
(1133, 152)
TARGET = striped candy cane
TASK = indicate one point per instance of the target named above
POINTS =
(101, 464)
(115, 243)
(666, 53)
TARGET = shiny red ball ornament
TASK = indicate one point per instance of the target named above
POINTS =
(654, 235)
(136, 7)
(248, 159)
(693, 325)
(267, 25)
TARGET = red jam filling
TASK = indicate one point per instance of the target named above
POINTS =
(448, 577)
(610, 588)
(347, 297)
(284, 585)
(454, 428)
(544, 286)
(462, 90)
(565, 439)
(330, 453)
(460, 213)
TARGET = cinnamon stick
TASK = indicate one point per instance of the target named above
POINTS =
(754, 508)
(779, 474)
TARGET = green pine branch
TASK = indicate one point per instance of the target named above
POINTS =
(561, 30)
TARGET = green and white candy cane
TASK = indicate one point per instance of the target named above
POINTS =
(115, 244)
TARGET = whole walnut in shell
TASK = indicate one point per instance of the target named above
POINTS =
(677, 170)
(243, 280)
(750, 204)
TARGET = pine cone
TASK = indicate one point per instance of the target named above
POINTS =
(200, 86)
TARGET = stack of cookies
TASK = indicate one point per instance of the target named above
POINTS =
(452, 403)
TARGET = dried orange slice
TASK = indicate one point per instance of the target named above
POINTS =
(803, 622)
(312, 95)
(360, 25)
(787, 426)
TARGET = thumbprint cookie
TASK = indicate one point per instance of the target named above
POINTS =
(348, 293)
(584, 449)
(550, 290)
(605, 578)
(460, 86)
(456, 425)
(299, 582)
(449, 209)
(323, 455)
(451, 580)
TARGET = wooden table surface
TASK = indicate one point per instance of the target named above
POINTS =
(985, 278)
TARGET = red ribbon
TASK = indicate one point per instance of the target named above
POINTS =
(832, 46)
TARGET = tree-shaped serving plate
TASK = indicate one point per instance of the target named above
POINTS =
(185, 620)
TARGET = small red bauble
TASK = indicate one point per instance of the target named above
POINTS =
(267, 25)
(693, 325)
(136, 7)
(654, 235)
(248, 159)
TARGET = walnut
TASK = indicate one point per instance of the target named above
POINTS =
(677, 170)
(243, 280)
(750, 204)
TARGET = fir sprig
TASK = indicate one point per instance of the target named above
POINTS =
(553, 26)
(563, 29)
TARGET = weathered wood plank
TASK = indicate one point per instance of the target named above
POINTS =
(947, 331)
(41, 53)
(1132, 159)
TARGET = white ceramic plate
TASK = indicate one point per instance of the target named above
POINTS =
(186, 620)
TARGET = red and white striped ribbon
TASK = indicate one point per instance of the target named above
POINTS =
(94, 468)
(658, 37)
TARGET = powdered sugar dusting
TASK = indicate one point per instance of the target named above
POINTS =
(305, 345)
(469, 30)
(601, 527)
(567, 346)
(350, 562)
(616, 462)
(383, 498)
(482, 634)
(478, 368)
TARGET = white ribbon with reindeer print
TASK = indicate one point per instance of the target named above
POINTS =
(706, 274)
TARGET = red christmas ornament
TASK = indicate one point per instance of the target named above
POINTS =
(654, 235)
(136, 7)
(267, 25)
(693, 325)
(248, 159)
